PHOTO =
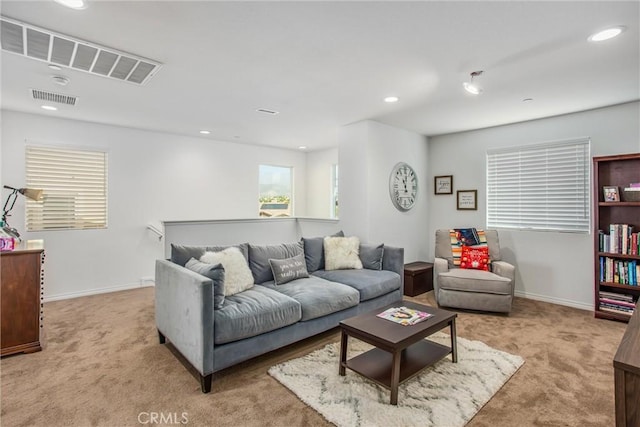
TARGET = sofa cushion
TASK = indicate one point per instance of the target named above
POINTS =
(259, 257)
(286, 270)
(318, 297)
(341, 253)
(180, 254)
(371, 256)
(215, 272)
(237, 276)
(459, 279)
(314, 251)
(369, 283)
(254, 312)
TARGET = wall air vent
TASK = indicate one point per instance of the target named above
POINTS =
(44, 45)
(43, 95)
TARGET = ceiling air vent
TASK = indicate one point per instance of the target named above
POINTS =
(266, 111)
(43, 95)
(44, 45)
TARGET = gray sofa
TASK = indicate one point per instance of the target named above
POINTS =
(266, 316)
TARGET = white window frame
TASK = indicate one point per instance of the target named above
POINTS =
(291, 211)
(541, 187)
(334, 208)
(75, 184)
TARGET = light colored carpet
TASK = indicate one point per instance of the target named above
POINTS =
(446, 394)
(102, 366)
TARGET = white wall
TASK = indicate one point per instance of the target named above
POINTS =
(368, 151)
(319, 165)
(555, 267)
(152, 177)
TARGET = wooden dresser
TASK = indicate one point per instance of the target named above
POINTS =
(21, 279)
(626, 366)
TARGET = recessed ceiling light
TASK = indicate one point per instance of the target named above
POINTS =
(607, 34)
(55, 67)
(49, 108)
(73, 4)
(205, 132)
(391, 99)
(302, 147)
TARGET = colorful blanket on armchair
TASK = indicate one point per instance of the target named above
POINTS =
(465, 237)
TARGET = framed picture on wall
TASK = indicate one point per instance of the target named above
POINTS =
(443, 184)
(467, 200)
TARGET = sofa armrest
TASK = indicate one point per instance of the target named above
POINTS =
(393, 260)
(184, 312)
(440, 265)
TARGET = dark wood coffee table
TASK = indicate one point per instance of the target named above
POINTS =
(400, 352)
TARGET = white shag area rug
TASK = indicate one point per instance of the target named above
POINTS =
(445, 395)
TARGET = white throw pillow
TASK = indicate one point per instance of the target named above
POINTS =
(341, 253)
(237, 276)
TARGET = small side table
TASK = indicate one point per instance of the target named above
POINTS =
(418, 278)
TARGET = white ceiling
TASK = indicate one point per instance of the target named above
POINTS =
(324, 65)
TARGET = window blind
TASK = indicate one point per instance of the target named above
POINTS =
(75, 188)
(540, 187)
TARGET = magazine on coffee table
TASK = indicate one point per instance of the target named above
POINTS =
(404, 315)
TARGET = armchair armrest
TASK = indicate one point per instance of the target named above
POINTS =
(440, 265)
(504, 269)
(184, 312)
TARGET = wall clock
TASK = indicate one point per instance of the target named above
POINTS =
(403, 186)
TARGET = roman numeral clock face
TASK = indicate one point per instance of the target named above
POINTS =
(403, 187)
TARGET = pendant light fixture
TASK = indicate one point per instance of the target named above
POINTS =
(472, 86)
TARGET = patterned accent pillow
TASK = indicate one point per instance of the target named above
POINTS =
(286, 270)
(457, 241)
(475, 257)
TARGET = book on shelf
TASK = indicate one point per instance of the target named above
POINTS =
(621, 240)
(404, 315)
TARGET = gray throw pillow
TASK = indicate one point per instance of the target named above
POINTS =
(371, 256)
(214, 272)
(286, 270)
(180, 254)
(259, 257)
(314, 251)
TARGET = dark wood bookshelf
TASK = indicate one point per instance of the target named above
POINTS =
(619, 171)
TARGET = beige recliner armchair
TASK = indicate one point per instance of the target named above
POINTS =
(472, 289)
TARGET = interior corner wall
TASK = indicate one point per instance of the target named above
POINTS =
(152, 177)
(550, 266)
(368, 151)
(318, 182)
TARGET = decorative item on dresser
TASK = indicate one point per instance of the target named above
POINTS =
(616, 233)
(21, 278)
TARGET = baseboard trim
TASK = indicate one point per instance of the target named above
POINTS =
(69, 295)
(553, 300)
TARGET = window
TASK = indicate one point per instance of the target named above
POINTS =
(75, 188)
(540, 187)
(275, 185)
(334, 191)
